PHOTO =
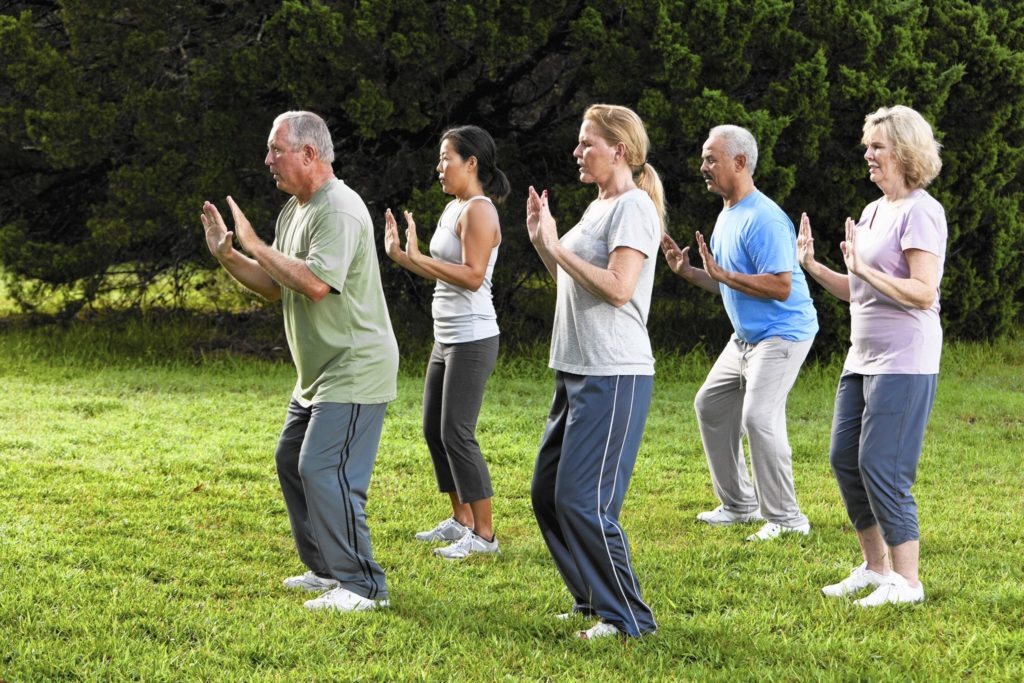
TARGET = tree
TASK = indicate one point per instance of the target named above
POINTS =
(121, 117)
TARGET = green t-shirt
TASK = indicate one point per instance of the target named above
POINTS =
(343, 346)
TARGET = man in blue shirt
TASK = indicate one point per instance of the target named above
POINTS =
(751, 262)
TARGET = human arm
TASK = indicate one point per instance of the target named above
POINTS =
(393, 244)
(678, 261)
(837, 284)
(762, 285)
(287, 271)
(614, 284)
(243, 269)
(478, 234)
(917, 291)
(540, 226)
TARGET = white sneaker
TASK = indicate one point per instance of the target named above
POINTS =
(344, 600)
(770, 530)
(469, 544)
(894, 590)
(447, 530)
(722, 517)
(310, 582)
(601, 629)
(859, 579)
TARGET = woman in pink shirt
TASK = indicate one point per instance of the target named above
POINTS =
(894, 257)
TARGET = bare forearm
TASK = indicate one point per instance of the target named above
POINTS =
(836, 284)
(700, 278)
(404, 261)
(291, 272)
(909, 292)
(457, 274)
(608, 284)
(763, 286)
(248, 273)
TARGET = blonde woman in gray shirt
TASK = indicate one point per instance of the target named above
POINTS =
(601, 355)
(463, 251)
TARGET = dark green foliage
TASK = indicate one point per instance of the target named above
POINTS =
(118, 118)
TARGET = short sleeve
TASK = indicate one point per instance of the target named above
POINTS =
(634, 224)
(772, 248)
(925, 228)
(335, 240)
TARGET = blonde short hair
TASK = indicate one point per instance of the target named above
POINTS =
(912, 140)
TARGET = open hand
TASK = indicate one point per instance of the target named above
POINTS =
(218, 237)
(677, 259)
(849, 248)
(805, 243)
(540, 224)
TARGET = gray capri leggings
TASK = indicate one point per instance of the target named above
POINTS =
(877, 431)
(453, 392)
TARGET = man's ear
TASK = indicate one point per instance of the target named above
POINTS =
(740, 160)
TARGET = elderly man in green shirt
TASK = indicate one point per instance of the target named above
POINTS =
(323, 267)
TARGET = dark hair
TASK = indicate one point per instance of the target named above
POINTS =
(473, 141)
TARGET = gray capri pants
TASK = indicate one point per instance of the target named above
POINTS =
(877, 431)
(453, 393)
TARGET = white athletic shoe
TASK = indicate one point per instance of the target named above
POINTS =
(446, 530)
(771, 530)
(859, 579)
(601, 629)
(893, 591)
(722, 517)
(469, 544)
(310, 582)
(344, 600)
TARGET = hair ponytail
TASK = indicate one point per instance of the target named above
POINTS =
(474, 141)
(648, 180)
(622, 125)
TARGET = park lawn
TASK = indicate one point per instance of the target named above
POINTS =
(143, 535)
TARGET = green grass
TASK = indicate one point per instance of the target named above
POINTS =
(143, 536)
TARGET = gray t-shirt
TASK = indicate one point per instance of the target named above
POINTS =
(343, 345)
(590, 336)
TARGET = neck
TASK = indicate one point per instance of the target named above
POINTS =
(472, 189)
(896, 191)
(313, 183)
(621, 181)
(742, 190)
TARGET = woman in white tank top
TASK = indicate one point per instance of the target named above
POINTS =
(463, 251)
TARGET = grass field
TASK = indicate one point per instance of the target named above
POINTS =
(143, 535)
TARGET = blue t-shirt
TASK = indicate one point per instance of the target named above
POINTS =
(755, 237)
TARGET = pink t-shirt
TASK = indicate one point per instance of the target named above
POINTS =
(888, 338)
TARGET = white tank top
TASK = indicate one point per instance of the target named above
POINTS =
(459, 314)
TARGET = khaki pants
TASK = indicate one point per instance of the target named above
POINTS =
(745, 393)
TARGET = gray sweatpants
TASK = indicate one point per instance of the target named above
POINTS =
(324, 460)
(453, 393)
(745, 393)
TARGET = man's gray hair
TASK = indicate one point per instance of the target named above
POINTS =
(305, 127)
(737, 141)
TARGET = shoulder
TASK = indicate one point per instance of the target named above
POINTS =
(925, 204)
(480, 209)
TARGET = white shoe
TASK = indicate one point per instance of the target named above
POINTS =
(770, 530)
(469, 544)
(344, 600)
(859, 579)
(310, 582)
(446, 530)
(601, 629)
(722, 517)
(895, 590)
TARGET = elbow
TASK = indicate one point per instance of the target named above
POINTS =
(317, 292)
(783, 294)
(619, 300)
(924, 303)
